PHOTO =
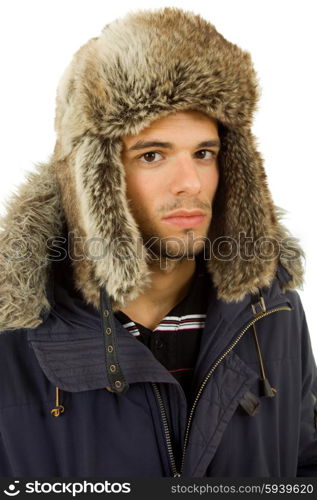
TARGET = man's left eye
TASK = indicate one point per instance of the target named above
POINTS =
(205, 154)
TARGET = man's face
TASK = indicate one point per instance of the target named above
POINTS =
(170, 166)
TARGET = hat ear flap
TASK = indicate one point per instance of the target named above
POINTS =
(111, 242)
(244, 223)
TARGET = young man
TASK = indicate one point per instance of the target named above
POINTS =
(150, 322)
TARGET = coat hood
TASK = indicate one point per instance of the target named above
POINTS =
(142, 67)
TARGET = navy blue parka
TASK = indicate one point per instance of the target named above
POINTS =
(235, 429)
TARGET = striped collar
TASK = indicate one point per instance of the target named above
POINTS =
(169, 323)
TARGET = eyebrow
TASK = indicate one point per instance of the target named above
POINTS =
(168, 145)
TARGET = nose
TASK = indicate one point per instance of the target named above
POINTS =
(185, 178)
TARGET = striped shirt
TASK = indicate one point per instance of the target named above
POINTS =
(175, 340)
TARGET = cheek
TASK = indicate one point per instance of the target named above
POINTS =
(140, 190)
(210, 181)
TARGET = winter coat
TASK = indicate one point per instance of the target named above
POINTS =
(237, 427)
(80, 396)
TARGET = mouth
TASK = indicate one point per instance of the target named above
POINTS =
(185, 218)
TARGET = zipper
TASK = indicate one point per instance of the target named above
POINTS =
(167, 433)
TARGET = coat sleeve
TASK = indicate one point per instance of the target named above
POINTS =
(307, 453)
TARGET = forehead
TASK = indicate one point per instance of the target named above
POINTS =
(174, 124)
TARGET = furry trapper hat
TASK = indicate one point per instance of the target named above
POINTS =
(141, 68)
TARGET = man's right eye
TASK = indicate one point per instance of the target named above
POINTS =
(150, 157)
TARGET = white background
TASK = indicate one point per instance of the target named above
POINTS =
(38, 39)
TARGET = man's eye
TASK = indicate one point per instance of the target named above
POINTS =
(151, 157)
(205, 154)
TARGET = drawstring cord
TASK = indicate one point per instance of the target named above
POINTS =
(267, 390)
(59, 409)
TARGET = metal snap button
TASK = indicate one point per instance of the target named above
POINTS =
(113, 368)
(108, 331)
(106, 313)
(118, 384)
(110, 348)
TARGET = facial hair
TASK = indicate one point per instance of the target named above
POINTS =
(172, 248)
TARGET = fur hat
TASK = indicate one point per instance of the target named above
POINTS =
(142, 67)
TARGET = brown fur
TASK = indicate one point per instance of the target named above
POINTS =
(141, 67)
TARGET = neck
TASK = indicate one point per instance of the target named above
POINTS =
(169, 285)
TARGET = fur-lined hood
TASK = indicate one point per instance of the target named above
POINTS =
(141, 68)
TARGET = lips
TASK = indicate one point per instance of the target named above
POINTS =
(185, 213)
(185, 218)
